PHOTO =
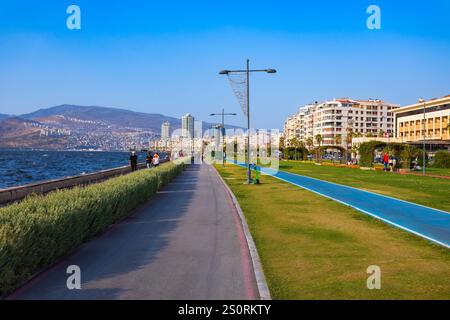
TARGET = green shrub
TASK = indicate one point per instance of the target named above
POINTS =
(42, 229)
(420, 157)
(442, 159)
(407, 155)
(292, 153)
(366, 151)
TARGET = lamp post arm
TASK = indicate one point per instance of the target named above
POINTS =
(250, 70)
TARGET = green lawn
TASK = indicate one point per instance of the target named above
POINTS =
(314, 248)
(438, 171)
(429, 191)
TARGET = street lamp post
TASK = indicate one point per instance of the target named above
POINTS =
(223, 114)
(424, 135)
(247, 71)
(212, 137)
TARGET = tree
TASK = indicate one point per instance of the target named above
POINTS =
(318, 138)
(349, 137)
(296, 143)
(442, 159)
(348, 141)
(354, 149)
(381, 133)
(310, 142)
(282, 143)
(296, 150)
(338, 139)
(406, 155)
(366, 152)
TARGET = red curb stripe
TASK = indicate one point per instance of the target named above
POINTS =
(249, 280)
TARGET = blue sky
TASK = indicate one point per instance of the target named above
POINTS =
(164, 56)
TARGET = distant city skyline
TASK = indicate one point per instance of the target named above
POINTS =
(165, 57)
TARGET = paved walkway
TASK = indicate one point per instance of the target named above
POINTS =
(185, 243)
(426, 222)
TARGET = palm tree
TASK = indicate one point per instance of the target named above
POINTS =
(309, 142)
(338, 142)
(349, 137)
(337, 139)
(319, 139)
(354, 150)
(348, 141)
(281, 143)
(295, 143)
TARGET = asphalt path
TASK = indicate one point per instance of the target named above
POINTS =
(185, 243)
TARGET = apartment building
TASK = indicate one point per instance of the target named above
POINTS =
(426, 120)
(295, 126)
(334, 120)
(289, 129)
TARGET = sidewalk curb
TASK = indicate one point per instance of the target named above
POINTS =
(263, 289)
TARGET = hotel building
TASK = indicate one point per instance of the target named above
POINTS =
(427, 120)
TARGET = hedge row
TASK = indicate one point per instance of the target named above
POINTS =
(366, 152)
(404, 153)
(292, 153)
(42, 229)
(442, 159)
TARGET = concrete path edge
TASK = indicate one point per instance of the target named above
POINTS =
(263, 289)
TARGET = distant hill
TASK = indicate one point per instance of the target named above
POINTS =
(112, 116)
(79, 127)
(21, 133)
(4, 116)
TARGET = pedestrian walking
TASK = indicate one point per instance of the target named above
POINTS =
(385, 161)
(133, 161)
(155, 160)
(148, 160)
(391, 163)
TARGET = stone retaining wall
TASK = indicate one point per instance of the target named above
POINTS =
(18, 193)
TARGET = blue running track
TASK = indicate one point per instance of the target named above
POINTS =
(426, 222)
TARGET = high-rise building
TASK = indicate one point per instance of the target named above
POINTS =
(187, 126)
(165, 128)
(198, 129)
(337, 120)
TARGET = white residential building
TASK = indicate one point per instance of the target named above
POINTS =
(336, 119)
(165, 135)
(295, 125)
